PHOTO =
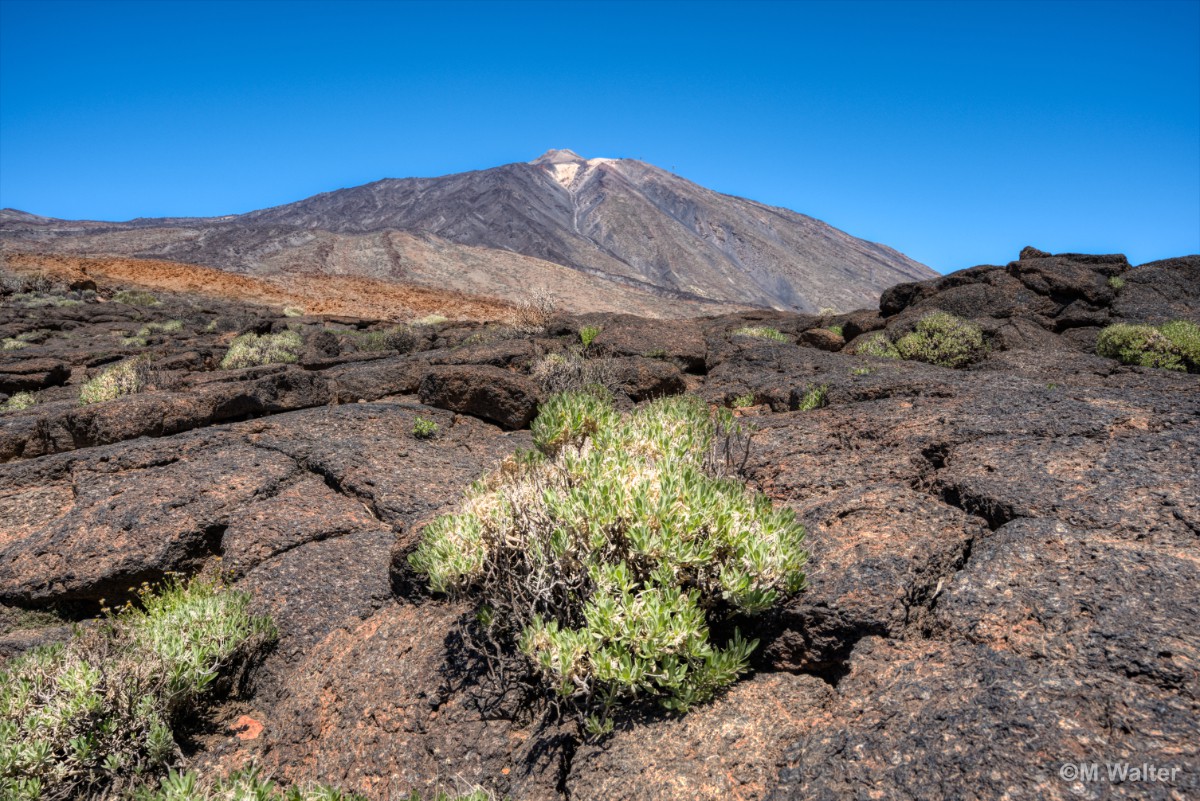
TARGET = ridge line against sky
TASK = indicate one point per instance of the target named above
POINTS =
(953, 132)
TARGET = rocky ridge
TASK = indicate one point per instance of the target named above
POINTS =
(1003, 557)
(582, 228)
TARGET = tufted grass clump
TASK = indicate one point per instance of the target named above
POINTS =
(136, 297)
(760, 331)
(13, 343)
(96, 717)
(1116, 282)
(19, 401)
(400, 338)
(814, 397)
(252, 350)
(943, 339)
(878, 346)
(1171, 346)
(123, 378)
(604, 559)
(293, 311)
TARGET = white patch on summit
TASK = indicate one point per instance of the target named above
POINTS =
(565, 173)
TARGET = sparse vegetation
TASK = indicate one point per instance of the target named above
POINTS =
(763, 332)
(861, 371)
(431, 319)
(424, 428)
(605, 557)
(815, 397)
(241, 785)
(836, 329)
(943, 339)
(136, 297)
(536, 311)
(743, 401)
(13, 343)
(399, 338)
(19, 401)
(1117, 283)
(878, 346)
(573, 372)
(250, 350)
(1171, 346)
(293, 311)
(96, 717)
(123, 378)
(588, 334)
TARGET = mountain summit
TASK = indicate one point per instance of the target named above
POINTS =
(616, 222)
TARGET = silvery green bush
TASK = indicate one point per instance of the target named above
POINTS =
(95, 717)
(605, 557)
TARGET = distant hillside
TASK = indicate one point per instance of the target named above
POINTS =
(503, 230)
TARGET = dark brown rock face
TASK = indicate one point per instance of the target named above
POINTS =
(1003, 558)
(489, 392)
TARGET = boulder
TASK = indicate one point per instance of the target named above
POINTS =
(483, 391)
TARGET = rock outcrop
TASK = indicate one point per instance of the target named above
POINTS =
(1003, 558)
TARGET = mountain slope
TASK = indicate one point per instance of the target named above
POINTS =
(616, 219)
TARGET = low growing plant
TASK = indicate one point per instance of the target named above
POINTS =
(573, 372)
(815, 397)
(1116, 282)
(604, 559)
(123, 378)
(836, 329)
(293, 311)
(19, 401)
(943, 339)
(136, 297)
(879, 346)
(96, 717)
(588, 334)
(743, 401)
(12, 343)
(250, 350)
(399, 338)
(763, 332)
(1171, 346)
(424, 428)
(242, 785)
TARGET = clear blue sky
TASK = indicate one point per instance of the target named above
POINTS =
(955, 132)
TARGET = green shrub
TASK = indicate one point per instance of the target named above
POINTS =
(250, 350)
(1117, 282)
(136, 297)
(19, 401)
(124, 378)
(763, 332)
(604, 558)
(1171, 346)
(424, 428)
(743, 401)
(588, 334)
(95, 717)
(814, 398)
(879, 346)
(942, 339)
(400, 338)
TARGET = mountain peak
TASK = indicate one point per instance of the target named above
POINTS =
(563, 156)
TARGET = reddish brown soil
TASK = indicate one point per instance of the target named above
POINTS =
(316, 294)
